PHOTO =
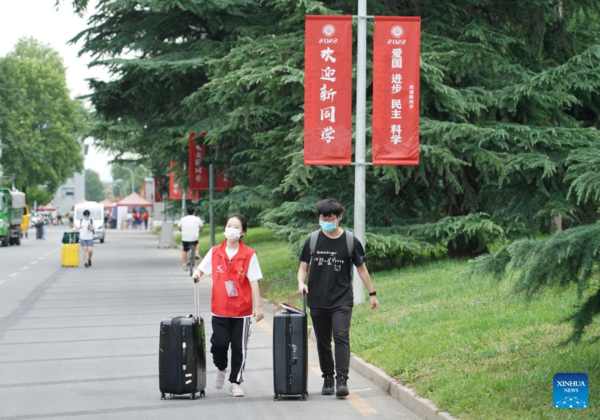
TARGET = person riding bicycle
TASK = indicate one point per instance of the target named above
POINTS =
(190, 227)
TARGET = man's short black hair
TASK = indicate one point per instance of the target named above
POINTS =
(86, 212)
(328, 207)
(190, 210)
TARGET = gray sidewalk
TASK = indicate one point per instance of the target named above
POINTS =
(87, 347)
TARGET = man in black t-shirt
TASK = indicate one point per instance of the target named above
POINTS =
(330, 255)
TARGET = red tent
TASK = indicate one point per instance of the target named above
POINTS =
(47, 207)
(134, 200)
(107, 204)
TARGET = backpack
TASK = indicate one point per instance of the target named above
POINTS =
(91, 223)
(349, 242)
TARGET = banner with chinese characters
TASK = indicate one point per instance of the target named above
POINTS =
(158, 188)
(396, 51)
(328, 90)
(224, 180)
(198, 180)
(175, 188)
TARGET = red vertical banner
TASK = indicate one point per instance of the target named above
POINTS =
(396, 54)
(174, 188)
(224, 181)
(198, 175)
(158, 188)
(328, 90)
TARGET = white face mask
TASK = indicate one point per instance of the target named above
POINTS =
(233, 234)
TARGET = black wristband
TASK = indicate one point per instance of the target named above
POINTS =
(373, 294)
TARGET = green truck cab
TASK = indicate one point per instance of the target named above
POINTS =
(12, 205)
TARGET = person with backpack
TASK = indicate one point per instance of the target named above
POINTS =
(86, 238)
(235, 272)
(330, 253)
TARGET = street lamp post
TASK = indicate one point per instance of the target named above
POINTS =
(132, 182)
(116, 183)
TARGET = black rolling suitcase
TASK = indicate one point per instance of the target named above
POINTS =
(290, 354)
(182, 354)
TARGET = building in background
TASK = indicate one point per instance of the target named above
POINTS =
(72, 191)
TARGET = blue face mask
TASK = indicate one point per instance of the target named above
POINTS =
(327, 226)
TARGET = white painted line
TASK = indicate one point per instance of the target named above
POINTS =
(25, 268)
(34, 262)
(14, 275)
(2, 281)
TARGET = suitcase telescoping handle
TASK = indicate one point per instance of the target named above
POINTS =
(304, 296)
(196, 299)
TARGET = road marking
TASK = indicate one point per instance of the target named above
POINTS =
(360, 404)
(265, 327)
(25, 268)
(42, 258)
(14, 275)
(2, 281)
(34, 262)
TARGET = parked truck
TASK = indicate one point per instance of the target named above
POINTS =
(12, 206)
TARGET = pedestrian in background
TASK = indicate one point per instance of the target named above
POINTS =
(235, 272)
(86, 238)
(190, 227)
(146, 218)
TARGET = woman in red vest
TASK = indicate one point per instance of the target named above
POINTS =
(235, 272)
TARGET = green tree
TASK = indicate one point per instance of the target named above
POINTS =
(94, 188)
(39, 122)
(509, 91)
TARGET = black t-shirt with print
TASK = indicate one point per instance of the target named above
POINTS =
(330, 273)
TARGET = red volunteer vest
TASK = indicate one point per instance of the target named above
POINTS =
(236, 270)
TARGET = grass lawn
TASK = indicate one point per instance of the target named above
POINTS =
(467, 344)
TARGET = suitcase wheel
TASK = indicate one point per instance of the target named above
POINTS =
(163, 397)
(202, 393)
(276, 397)
(303, 397)
(193, 396)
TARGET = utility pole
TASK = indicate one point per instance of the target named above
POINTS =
(211, 187)
(360, 148)
(183, 193)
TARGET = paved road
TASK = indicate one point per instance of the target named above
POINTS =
(83, 343)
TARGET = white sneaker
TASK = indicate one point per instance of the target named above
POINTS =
(220, 379)
(235, 390)
(185, 267)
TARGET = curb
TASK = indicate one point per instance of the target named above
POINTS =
(420, 406)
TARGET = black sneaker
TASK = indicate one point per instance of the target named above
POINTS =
(86, 265)
(342, 386)
(328, 385)
(90, 262)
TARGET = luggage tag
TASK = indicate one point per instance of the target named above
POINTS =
(232, 290)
